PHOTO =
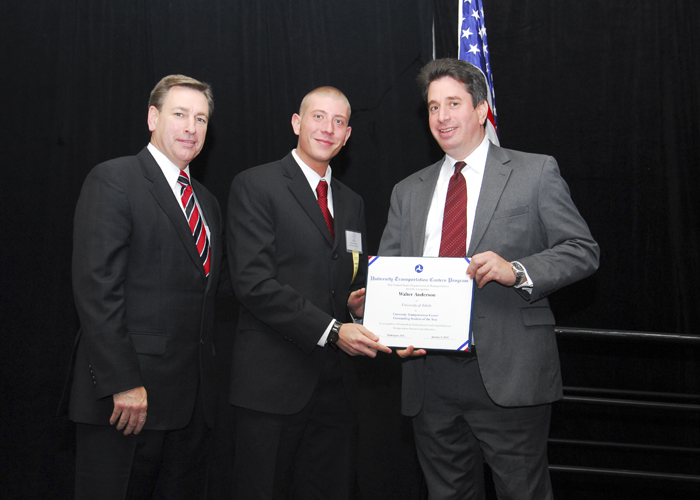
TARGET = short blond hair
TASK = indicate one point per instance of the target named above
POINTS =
(326, 91)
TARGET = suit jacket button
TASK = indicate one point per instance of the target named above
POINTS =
(333, 293)
(335, 255)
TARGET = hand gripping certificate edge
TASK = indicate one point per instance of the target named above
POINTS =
(466, 346)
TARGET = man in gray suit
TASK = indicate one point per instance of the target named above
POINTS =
(511, 212)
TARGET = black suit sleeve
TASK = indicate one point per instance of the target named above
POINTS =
(102, 230)
(256, 251)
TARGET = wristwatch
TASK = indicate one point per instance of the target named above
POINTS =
(333, 335)
(519, 272)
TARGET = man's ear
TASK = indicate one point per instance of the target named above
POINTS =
(482, 110)
(152, 118)
(296, 123)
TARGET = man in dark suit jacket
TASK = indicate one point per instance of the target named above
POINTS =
(298, 261)
(144, 284)
(526, 239)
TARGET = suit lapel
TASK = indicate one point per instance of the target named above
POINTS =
(301, 190)
(420, 205)
(164, 196)
(338, 211)
(496, 174)
(211, 216)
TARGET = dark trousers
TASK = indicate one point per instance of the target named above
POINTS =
(459, 424)
(308, 455)
(151, 465)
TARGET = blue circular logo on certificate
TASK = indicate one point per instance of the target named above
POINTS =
(419, 268)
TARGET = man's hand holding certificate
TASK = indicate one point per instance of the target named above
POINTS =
(420, 301)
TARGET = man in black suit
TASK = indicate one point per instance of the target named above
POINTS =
(512, 214)
(298, 246)
(148, 252)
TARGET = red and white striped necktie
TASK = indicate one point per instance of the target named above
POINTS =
(199, 233)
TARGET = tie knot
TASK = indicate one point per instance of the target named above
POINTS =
(459, 166)
(183, 178)
(322, 188)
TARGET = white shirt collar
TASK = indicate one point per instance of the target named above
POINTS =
(170, 170)
(311, 175)
(476, 160)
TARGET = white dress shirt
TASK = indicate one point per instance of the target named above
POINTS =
(171, 173)
(313, 178)
(473, 173)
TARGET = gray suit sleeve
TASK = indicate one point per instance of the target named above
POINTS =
(571, 253)
(390, 244)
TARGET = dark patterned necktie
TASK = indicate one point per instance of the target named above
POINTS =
(322, 191)
(454, 222)
(199, 233)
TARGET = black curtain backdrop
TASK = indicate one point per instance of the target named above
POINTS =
(609, 88)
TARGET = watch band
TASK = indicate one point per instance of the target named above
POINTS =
(334, 334)
(519, 272)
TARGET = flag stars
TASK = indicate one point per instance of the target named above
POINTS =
(473, 49)
(482, 31)
(467, 33)
(475, 14)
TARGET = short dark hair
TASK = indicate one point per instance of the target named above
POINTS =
(466, 73)
(160, 91)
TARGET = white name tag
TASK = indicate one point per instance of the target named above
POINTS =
(353, 240)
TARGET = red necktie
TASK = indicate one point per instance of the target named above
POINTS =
(454, 222)
(201, 240)
(322, 190)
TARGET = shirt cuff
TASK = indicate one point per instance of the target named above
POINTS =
(324, 337)
(527, 285)
(354, 318)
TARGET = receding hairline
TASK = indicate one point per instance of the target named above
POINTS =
(326, 92)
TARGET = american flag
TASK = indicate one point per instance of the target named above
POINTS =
(473, 48)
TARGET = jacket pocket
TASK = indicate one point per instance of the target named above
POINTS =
(511, 212)
(533, 316)
(149, 343)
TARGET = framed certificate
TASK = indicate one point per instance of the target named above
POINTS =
(425, 302)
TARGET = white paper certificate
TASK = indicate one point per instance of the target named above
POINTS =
(425, 302)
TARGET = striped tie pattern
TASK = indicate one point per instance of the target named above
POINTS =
(322, 191)
(201, 240)
(454, 221)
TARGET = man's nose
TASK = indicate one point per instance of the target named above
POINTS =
(191, 125)
(327, 126)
